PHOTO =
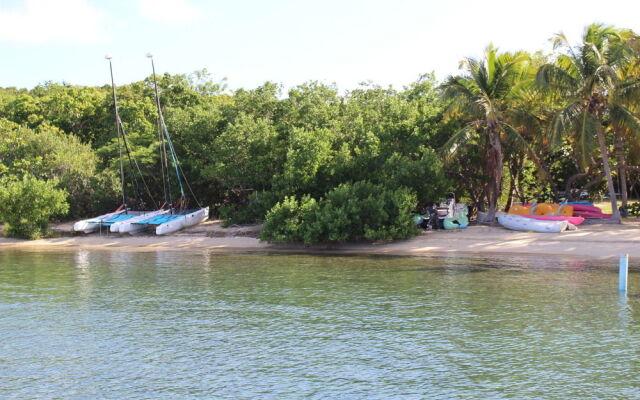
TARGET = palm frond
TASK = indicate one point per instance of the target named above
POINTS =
(585, 132)
(564, 121)
(627, 92)
(514, 137)
(552, 77)
(624, 119)
(459, 138)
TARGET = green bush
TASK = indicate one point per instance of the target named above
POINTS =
(358, 211)
(27, 205)
(48, 154)
(290, 220)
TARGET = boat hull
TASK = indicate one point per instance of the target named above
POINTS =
(185, 221)
(86, 225)
(93, 224)
(130, 226)
(571, 220)
(592, 215)
(520, 223)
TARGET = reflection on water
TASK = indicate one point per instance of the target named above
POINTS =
(199, 325)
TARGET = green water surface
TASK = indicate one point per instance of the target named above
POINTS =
(174, 325)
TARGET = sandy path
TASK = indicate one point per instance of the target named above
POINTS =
(591, 241)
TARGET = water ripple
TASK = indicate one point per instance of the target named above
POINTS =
(179, 325)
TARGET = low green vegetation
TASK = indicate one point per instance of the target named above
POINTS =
(358, 211)
(27, 205)
(318, 165)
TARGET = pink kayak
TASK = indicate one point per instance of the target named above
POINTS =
(587, 208)
(591, 214)
(571, 220)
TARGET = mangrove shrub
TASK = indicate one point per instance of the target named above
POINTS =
(352, 211)
(28, 204)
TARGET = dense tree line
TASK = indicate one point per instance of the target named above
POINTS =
(510, 127)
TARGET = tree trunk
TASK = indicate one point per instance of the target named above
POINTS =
(607, 172)
(622, 172)
(494, 166)
(514, 168)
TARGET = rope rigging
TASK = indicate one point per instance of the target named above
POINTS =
(166, 142)
(122, 139)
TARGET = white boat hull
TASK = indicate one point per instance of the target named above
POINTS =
(130, 226)
(86, 225)
(92, 224)
(518, 223)
(185, 221)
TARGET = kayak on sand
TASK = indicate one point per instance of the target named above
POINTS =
(521, 223)
(571, 220)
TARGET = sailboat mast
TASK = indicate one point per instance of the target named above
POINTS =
(163, 150)
(118, 129)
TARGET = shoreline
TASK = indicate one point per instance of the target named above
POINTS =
(597, 241)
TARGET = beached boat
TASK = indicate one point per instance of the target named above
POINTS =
(521, 223)
(177, 216)
(571, 220)
(592, 215)
(93, 224)
(174, 222)
(589, 211)
(130, 225)
(113, 221)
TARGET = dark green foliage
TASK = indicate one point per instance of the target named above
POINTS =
(233, 147)
(365, 211)
(49, 154)
(27, 205)
(350, 212)
(291, 220)
(250, 209)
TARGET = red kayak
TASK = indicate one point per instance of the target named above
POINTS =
(587, 208)
(571, 220)
(591, 214)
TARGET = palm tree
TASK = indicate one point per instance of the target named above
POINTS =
(483, 97)
(597, 98)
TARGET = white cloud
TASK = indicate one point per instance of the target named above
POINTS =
(46, 21)
(168, 11)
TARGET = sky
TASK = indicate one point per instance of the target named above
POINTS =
(248, 42)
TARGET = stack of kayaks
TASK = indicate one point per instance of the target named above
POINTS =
(543, 217)
(589, 211)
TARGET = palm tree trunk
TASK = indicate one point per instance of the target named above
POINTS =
(607, 172)
(494, 164)
(514, 168)
(622, 172)
(512, 190)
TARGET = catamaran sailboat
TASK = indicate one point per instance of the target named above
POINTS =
(121, 219)
(178, 216)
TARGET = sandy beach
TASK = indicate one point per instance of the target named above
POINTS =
(590, 241)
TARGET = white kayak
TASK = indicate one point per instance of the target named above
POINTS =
(518, 223)
(92, 224)
(130, 226)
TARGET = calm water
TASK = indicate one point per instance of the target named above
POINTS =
(178, 325)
